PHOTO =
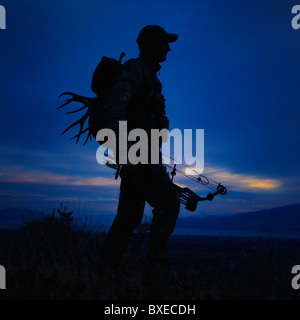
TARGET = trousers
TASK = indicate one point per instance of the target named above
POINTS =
(140, 184)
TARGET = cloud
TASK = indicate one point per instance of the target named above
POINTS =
(47, 178)
(244, 182)
(240, 181)
(233, 181)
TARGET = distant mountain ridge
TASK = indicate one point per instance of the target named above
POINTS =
(12, 218)
(17, 213)
(285, 219)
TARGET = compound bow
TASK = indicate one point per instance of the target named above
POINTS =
(185, 195)
(188, 197)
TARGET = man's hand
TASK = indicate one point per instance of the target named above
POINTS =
(210, 196)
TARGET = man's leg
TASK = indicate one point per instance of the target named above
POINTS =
(162, 197)
(129, 215)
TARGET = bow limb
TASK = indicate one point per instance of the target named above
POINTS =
(190, 199)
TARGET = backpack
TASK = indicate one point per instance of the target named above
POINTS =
(102, 82)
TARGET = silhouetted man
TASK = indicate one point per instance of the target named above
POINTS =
(136, 97)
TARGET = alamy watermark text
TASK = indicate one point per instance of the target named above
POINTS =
(2, 17)
(139, 146)
(295, 21)
(2, 278)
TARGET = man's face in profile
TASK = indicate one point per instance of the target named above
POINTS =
(162, 49)
(159, 48)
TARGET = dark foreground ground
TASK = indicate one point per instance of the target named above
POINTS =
(53, 259)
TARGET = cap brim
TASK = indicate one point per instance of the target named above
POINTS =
(172, 37)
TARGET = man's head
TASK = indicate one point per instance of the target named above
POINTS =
(154, 41)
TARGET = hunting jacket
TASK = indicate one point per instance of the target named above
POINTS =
(136, 97)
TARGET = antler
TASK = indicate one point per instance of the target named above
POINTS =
(81, 122)
(86, 103)
(75, 97)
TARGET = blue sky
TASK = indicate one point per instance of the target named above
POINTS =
(233, 72)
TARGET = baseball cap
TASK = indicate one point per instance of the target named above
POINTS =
(154, 31)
